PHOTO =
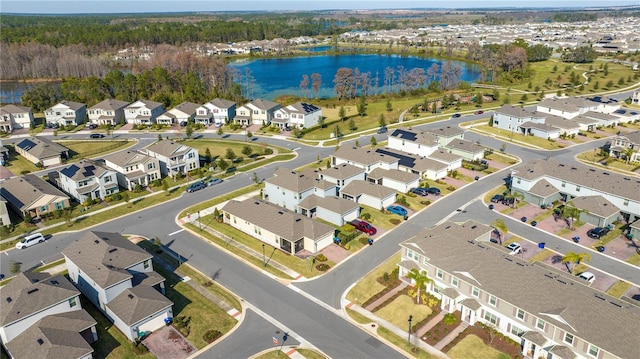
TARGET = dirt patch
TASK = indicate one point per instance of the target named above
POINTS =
(490, 338)
(168, 343)
(441, 329)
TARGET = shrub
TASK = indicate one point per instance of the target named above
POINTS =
(450, 319)
(321, 257)
(451, 188)
(268, 151)
(394, 221)
(211, 335)
(425, 202)
(323, 267)
(366, 216)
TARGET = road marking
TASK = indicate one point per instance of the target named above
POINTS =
(297, 148)
(176, 232)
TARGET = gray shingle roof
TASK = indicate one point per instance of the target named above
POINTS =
(559, 122)
(71, 104)
(298, 181)
(168, 148)
(514, 111)
(264, 104)
(397, 175)
(602, 180)
(29, 293)
(333, 204)
(146, 103)
(187, 107)
(453, 250)
(444, 156)
(302, 107)
(110, 104)
(137, 303)
(424, 137)
(597, 205)
(105, 256)
(286, 224)
(222, 103)
(15, 109)
(126, 158)
(464, 145)
(600, 116)
(22, 192)
(41, 148)
(342, 171)
(356, 188)
(53, 337)
(82, 170)
(364, 156)
(539, 126)
(448, 131)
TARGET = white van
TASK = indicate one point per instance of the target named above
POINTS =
(30, 240)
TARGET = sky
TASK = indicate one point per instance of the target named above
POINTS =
(98, 6)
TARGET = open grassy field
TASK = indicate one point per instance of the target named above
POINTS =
(472, 347)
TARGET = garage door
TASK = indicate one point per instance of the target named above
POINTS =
(51, 161)
(153, 323)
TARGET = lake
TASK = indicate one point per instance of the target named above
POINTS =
(271, 78)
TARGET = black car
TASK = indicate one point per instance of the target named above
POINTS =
(196, 186)
(183, 123)
(420, 191)
(382, 129)
(497, 198)
(598, 232)
(96, 135)
(456, 115)
(434, 190)
(508, 201)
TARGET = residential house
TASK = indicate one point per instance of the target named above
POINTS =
(31, 195)
(566, 127)
(604, 119)
(5, 219)
(174, 157)
(419, 143)
(400, 181)
(86, 180)
(368, 193)
(342, 174)
(218, 111)
(117, 276)
(568, 108)
(107, 112)
(288, 188)
(299, 115)
(595, 210)
(15, 117)
(512, 119)
(365, 158)
(66, 113)
(586, 124)
(335, 210)
(452, 161)
(422, 166)
(634, 230)
(143, 112)
(256, 112)
(468, 150)
(133, 168)
(286, 230)
(576, 180)
(468, 276)
(41, 150)
(626, 145)
(605, 104)
(539, 130)
(184, 112)
(41, 317)
(635, 98)
(447, 134)
(627, 115)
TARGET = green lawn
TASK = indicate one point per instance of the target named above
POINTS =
(368, 286)
(401, 343)
(472, 347)
(518, 139)
(91, 148)
(618, 289)
(541, 256)
(594, 159)
(634, 259)
(399, 310)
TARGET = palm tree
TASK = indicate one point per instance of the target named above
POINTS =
(500, 226)
(575, 258)
(628, 153)
(572, 213)
(420, 278)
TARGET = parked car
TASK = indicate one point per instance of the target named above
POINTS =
(455, 115)
(96, 135)
(497, 198)
(382, 129)
(514, 247)
(364, 227)
(30, 240)
(598, 232)
(420, 191)
(92, 126)
(213, 181)
(508, 201)
(183, 123)
(479, 112)
(588, 276)
(196, 186)
(397, 210)
(434, 190)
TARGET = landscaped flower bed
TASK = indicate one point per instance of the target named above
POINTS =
(491, 338)
(441, 329)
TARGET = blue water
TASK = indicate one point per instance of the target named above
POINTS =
(277, 77)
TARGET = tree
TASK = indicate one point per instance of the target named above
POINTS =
(230, 155)
(575, 258)
(316, 82)
(501, 226)
(207, 155)
(249, 134)
(344, 83)
(188, 131)
(628, 153)
(352, 125)
(254, 178)
(28, 219)
(420, 279)
(159, 137)
(373, 141)
(126, 197)
(342, 113)
(304, 85)
(571, 213)
(321, 121)
(220, 131)
(247, 150)
(14, 268)
(362, 106)
(389, 106)
(381, 121)
(223, 164)
(357, 143)
(165, 186)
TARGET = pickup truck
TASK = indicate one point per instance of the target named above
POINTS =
(364, 227)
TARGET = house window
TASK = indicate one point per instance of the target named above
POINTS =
(147, 263)
(151, 166)
(594, 350)
(413, 255)
(475, 292)
(107, 179)
(257, 230)
(59, 205)
(564, 184)
(73, 302)
(43, 208)
(439, 273)
(425, 261)
(568, 338)
(490, 317)
(515, 330)
(520, 314)
(454, 281)
(540, 324)
(518, 181)
(191, 155)
(493, 300)
(437, 288)
(577, 188)
(625, 203)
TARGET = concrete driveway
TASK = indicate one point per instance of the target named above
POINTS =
(168, 343)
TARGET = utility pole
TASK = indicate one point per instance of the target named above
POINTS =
(409, 331)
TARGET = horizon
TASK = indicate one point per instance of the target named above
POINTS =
(78, 7)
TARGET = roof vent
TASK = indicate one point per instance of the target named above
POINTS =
(54, 282)
(605, 173)
(616, 304)
(40, 341)
(130, 296)
(113, 250)
(97, 241)
(280, 212)
(298, 219)
(9, 299)
(32, 291)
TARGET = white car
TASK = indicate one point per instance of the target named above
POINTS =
(588, 276)
(514, 247)
(30, 240)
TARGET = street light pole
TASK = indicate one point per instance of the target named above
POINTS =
(264, 260)
(409, 331)
(199, 221)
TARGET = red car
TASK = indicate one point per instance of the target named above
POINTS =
(364, 227)
(479, 112)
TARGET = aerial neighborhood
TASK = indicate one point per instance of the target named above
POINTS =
(155, 208)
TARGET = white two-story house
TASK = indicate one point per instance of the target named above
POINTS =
(543, 310)
(568, 108)
(15, 117)
(419, 143)
(626, 146)
(256, 112)
(117, 276)
(107, 112)
(66, 113)
(87, 180)
(143, 112)
(133, 168)
(288, 188)
(365, 158)
(298, 115)
(174, 157)
(184, 112)
(41, 316)
(218, 111)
